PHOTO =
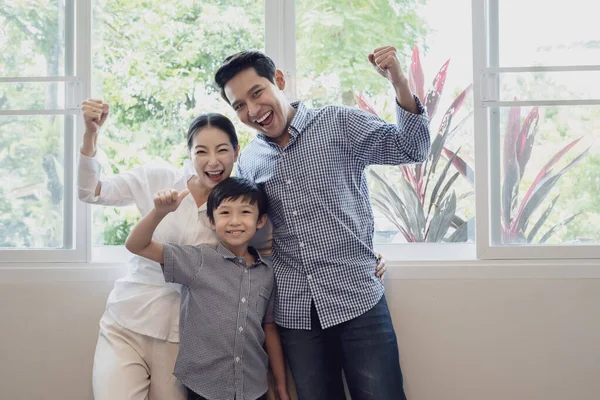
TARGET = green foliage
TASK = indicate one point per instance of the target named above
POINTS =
(335, 36)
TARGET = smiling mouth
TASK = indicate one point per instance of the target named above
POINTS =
(235, 232)
(214, 175)
(265, 119)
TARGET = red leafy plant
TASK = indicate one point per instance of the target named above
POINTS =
(423, 204)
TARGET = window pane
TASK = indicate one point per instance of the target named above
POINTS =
(550, 85)
(539, 32)
(32, 96)
(550, 176)
(32, 38)
(31, 188)
(156, 71)
(332, 48)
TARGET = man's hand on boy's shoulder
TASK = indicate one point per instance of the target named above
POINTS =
(168, 200)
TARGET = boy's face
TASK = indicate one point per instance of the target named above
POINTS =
(236, 221)
(261, 104)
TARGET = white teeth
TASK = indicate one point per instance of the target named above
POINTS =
(214, 173)
(264, 117)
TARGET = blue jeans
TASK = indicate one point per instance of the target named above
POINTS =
(364, 347)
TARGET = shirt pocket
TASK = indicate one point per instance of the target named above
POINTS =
(262, 300)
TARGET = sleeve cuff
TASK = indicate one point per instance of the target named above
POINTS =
(167, 267)
(88, 176)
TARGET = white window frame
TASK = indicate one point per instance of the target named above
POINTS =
(77, 78)
(280, 44)
(486, 76)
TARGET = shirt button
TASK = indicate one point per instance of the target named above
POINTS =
(295, 212)
(241, 329)
(245, 271)
(237, 359)
(309, 277)
(243, 299)
(301, 244)
(288, 181)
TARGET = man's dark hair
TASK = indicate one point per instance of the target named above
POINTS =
(214, 120)
(234, 188)
(238, 62)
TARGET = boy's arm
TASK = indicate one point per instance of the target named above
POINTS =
(140, 239)
(275, 352)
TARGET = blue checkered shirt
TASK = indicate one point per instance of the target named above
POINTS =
(320, 209)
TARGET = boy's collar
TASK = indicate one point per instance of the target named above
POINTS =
(226, 253)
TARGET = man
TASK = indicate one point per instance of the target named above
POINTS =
(330, 306)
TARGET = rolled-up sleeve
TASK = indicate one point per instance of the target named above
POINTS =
(376, 142)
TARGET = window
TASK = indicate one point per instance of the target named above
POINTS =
(414, 204)
(39, 93)
(540, 109)
(515, 166)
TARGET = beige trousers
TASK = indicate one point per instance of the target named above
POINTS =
(131, 366)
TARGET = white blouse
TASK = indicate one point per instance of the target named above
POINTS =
(142, 301)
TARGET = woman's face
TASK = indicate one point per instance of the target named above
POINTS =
(213, 156)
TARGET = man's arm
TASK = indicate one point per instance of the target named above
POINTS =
(275, 352)
(373, 140)
(140, 239)
(386, 63)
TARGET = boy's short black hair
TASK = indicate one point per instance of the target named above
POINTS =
(234, 188)
(238, 62)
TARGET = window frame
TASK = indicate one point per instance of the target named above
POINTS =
(280, 32)
(76, 77)
(486, 81)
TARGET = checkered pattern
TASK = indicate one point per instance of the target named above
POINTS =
(224, 303)
(320, 209)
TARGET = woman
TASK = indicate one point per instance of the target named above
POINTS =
(139, 331)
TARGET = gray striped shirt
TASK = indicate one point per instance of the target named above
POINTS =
(223, 306)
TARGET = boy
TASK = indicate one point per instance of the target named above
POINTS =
(226, 296)
(311, 163)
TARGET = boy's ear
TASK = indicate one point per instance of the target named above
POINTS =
(261, 221)
(212, 225)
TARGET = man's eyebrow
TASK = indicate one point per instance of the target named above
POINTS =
(252, 89)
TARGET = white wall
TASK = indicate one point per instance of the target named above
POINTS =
(463, 339)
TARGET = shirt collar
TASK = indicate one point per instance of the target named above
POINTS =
(298, 123)
(226, 253)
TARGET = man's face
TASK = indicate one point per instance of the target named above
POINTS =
(235, 222)
(260, 104)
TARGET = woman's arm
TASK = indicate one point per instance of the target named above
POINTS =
(95, 113)
(275, 352)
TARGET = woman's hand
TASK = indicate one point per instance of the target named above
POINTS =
(95, 113)
(380, 269)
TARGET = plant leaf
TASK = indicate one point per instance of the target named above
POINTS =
(433, 95)
(439, 182)
(415, 210)
(552, 230)
(543, 190)
(541, 220)
(363, 104)
(461, 234)
(416, 79)
(461, 166)
(512, 176)
(527, 138)
(441, 219)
